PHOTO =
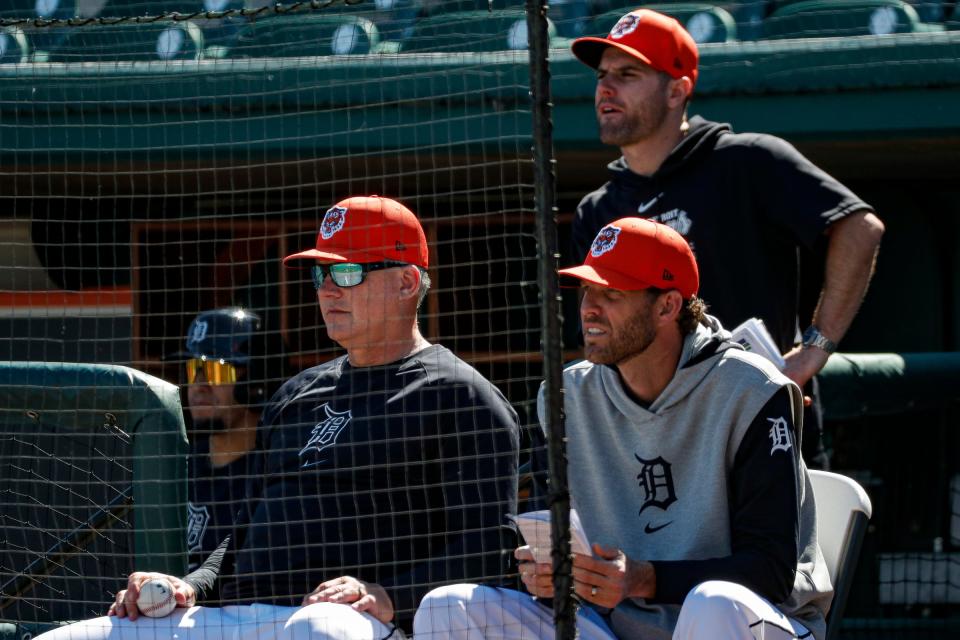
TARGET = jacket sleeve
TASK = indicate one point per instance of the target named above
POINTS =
(764, 515)
(204, 578)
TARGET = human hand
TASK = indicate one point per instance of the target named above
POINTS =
(610, 577)
(804, 363)
(360, 595)
(125, 604)
(536, 577)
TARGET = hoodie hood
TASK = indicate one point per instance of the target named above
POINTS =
(701, 353)
(701, 138)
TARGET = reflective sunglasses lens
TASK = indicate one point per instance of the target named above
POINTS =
(214, 371)
(346, 274)
(317, 272)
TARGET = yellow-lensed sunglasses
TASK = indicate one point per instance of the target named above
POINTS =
(214, 371)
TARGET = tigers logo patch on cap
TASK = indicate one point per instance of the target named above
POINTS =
(626, 25)
(605, 241)
(332, 221)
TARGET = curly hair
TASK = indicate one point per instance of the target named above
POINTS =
(692, 313)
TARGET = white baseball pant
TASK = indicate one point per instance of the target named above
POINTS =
(714, 610)
(318, 621)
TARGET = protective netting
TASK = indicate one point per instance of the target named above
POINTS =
(161, 165)
(159, 159)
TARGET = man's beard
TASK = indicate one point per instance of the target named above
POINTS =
(642, 124)
(632, 340)
(209, 426)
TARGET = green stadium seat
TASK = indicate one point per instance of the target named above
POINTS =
(705, 22)
(747, 15)
(314, 34)
(572, 17)
(49, 9)
(953, 21)
(14, 47)
(927, 10)
(504, 30)
(119, 8)
(160, 40)
(844, 18)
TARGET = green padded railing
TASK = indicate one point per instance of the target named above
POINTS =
(86, 450)
(855, 385)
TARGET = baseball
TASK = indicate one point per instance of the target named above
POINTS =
(156, 598)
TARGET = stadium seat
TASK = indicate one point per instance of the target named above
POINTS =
(843, 510)
(844, 18)
(48, 9)
(748, 15)
(14, 47)
(572, 17)
(130, 42)
(503, 30)
(120, 8)
(953, 21)
(314, 34)
(927, 10)
(706, 23)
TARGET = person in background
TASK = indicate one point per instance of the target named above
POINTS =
(233, 367)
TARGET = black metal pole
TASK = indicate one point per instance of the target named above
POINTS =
(564, 606)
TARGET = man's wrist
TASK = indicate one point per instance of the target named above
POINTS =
(813, 338)
(644, 580)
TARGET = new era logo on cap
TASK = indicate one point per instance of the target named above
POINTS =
(631, 254)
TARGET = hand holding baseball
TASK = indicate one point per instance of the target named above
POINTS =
(125, 604)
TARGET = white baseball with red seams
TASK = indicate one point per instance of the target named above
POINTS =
(156, 598)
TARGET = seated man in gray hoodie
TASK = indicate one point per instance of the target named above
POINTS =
(684, 467)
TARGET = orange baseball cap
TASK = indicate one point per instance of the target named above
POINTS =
(652, 38)
(367, 229)
(631, 254)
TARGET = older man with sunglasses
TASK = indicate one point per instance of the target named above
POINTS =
(378, 476)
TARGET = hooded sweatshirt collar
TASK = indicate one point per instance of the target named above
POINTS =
(700, 353)
(701, 138)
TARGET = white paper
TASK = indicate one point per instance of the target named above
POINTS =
(752, 334)
(535, 527)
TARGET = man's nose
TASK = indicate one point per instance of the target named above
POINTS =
(328, 288)
(605, 88)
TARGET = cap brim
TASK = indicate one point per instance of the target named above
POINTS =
(312, 255)
(605, 277)
(589, 50)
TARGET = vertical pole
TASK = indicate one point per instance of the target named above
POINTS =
(564, 609)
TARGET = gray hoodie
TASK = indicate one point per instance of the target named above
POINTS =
(656, 482)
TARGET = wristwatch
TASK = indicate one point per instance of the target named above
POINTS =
(813, 338)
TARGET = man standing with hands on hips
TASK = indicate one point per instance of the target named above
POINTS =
(746, 202)
(682, 466)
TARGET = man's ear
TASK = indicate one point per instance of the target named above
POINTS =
(669, 306)
(679, 91)
(409, 282)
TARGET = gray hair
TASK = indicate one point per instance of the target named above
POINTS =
(424, 286)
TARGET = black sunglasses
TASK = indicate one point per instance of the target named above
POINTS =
(348, 274)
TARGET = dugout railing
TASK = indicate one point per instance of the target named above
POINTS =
(93, 466)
